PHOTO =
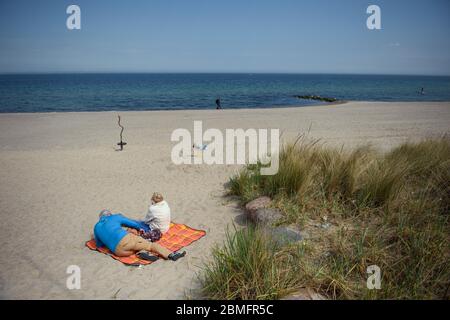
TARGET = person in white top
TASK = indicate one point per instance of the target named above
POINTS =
(158, 215)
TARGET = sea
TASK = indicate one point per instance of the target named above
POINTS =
(77, 92)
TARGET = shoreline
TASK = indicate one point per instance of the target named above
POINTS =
(287, 107)
(185, 110)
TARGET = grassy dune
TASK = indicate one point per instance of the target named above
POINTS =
(390, 210)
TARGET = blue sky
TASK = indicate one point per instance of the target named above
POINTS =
(295, 36)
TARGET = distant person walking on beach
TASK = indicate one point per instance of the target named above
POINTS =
(218, 104)
(422, 92)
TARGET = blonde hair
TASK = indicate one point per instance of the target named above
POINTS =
(157, 197)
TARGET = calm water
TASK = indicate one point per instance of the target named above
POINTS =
(100, 92)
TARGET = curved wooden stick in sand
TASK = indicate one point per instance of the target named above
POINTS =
(121, 143)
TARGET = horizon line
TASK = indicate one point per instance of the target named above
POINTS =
(214, 72)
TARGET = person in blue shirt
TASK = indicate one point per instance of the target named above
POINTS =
(109, 232)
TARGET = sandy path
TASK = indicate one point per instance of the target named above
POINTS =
(58, 170)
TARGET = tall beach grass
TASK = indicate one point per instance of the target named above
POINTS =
(386, 209)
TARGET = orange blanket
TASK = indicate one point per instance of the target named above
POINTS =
(178, 236)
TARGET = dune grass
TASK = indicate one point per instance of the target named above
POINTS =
(389, 210)
(249, 266)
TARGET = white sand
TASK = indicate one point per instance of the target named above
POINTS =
(58, 170)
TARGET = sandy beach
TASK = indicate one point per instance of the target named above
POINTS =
(58, 170)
